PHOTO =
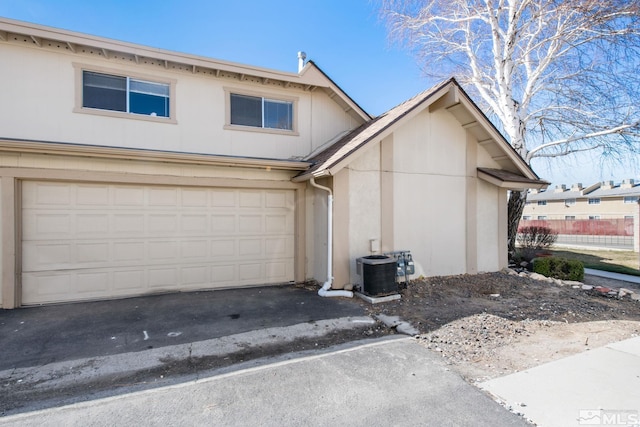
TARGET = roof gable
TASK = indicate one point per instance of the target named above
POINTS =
(448, 95)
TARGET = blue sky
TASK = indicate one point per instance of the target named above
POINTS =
(346, 38)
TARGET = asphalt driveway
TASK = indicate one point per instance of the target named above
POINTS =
(37, 336)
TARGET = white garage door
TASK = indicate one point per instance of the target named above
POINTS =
(83, 241)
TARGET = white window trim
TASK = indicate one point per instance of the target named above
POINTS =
(78, 108)
(596, 201)
(629, 200)
(269, 96)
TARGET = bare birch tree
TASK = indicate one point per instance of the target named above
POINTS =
(557, 76)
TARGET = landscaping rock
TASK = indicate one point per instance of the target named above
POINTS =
(399, 325)
(623, 292)
(586, 287)
(537, 276)
(573, 283)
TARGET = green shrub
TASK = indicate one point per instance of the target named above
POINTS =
(560, 268)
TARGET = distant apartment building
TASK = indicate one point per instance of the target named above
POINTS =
(603, 200)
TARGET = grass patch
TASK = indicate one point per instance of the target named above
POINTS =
(625, 262)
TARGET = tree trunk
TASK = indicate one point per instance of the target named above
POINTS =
(515, 207)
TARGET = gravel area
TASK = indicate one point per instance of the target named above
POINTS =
(493, 324)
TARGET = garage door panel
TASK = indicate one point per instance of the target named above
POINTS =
(163, 197)
(92, 195)
(250, 224)
(129, 196)
(196, 276)
(46, 256)
(194, 250)
(222, 224)
(277, 224)
(194, 224)
(129, 251)
(92, 253)
(224, 249)
(89, 241)
(163, 277)
(92, 224)
(250, 199)
(129, 281)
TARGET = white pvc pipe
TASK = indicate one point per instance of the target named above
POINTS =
(325, 290)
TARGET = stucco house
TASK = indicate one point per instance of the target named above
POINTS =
(127, 170)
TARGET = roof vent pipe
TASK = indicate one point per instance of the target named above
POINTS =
(301, 57)
(326, 291)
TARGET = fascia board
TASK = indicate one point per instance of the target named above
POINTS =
(78, 150)
(511, 185)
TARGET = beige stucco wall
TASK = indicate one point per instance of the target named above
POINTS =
(364, 210)
(418, 190)
(42, 108)
(489, 226)
(429, 186)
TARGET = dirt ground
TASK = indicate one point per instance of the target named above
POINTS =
(493, 324)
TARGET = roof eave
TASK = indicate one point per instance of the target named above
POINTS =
(511, 184)
(8, 145)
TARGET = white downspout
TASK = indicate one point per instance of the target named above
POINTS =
(325, 290)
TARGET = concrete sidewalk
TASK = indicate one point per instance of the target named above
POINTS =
(614, 276)
(389, 382)
(596, 387)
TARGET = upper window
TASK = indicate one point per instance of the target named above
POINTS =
(125, 94)
(595, 201)
(570, 202)
(542, 203)
(256, 111)
(630, 199)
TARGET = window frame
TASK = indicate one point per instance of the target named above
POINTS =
(570, 202)
(79, 104)
(630, 200)
(264, 96)
(542, 203)
(593, 201)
